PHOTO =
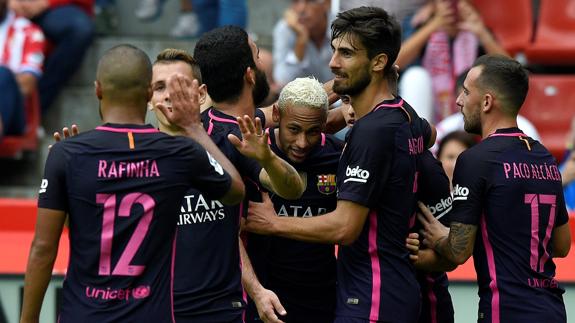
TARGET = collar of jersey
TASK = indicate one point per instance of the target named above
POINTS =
(396, 103)
(218, 116)
(119, 127)
(513, 131)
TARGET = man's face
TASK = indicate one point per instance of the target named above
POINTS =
(299, 130)
(160, 73)
(261, 88)
(470, 102)
(312, 14)
(350, 66)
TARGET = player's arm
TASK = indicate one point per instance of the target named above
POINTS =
(342, 226)
(430, 261)
(185, 115)
(561, 241)
(267, 302)
(277, 175)
(454, 243)
(43, 252)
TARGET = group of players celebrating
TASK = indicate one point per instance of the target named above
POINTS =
(174, 224)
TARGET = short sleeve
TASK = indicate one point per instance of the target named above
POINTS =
(365, 164)
(468, 188)
(562, 214)
(207, 174)
(53, 192)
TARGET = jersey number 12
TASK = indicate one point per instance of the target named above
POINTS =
(123, 266)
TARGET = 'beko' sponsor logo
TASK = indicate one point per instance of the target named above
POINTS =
(356, 174)
(460, 193)
(441, 208)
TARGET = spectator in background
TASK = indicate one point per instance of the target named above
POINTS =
(21, 58)
(187, 24)
(107, 21)
(445, 46)
(69, 29)
(302, 42)
(450, 147)
(267, 60)
(218, 13)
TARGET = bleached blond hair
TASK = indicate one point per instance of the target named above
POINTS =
(306, 92)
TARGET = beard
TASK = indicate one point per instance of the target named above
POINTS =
(472, 123)
(355, 88)
(261, 89)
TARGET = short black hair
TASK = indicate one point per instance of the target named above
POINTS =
(124, 72)
(506, 77)
(224, 54)
(378, 31)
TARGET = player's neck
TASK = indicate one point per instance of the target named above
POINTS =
(123, 114)
(373, 94)
(244, 105)
(490, 126)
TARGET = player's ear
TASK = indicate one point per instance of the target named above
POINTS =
(379, 62)
(98, 89)
(276, 113)
(488, 100)
(250, 76)
(203, 89)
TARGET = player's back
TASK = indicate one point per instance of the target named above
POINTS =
(519, 187)
(208, 270)
(122, 186)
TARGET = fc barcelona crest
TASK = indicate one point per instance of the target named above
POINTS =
(326, 184)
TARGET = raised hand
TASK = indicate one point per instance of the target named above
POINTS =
(184, 111)
(444, 15)
(470, 19)
(66, 133)
(292, 20)
(254, 141)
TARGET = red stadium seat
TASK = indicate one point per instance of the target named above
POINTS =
(555, 37)
(14, 146)
(17, 221)
(550, 106)
(510, 20)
